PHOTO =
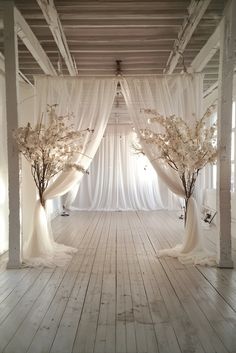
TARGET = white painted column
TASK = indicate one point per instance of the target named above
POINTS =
(11, 71)
(226, 70)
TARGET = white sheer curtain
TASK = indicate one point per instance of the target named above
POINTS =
(119, 179)
(3, 170)
(90, 100)
(180, 95)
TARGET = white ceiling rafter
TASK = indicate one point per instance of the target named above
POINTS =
(142, 36)
(208, 50)
(54, 23)
(21, 76)
(196, 9)
(31, 42)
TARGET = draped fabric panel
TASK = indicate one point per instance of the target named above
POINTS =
(170, 94)
(180, 95)
(91, 101)
(119, 179)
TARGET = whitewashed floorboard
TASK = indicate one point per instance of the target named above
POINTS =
(116, 296)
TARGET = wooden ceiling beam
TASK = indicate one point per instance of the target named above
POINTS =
(21, 76)
(54, 23)
(31, 42)
(197, 9)
(121, 23)
(105, 50)
(208, 50)
(96, 23)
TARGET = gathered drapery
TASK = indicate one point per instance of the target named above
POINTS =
(179, 95)
(91, 101)
(119, 179)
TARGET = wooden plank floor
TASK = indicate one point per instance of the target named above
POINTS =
(116, 296)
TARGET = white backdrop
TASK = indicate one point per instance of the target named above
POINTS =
(119, 179)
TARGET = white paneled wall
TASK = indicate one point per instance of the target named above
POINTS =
(210, 202)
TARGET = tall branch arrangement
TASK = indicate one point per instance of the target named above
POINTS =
(49, 147)
(185, 149)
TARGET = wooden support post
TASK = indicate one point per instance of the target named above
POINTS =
(226, 71)
(11, 72)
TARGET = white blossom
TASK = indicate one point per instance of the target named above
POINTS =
(185, 149)
(50, 147)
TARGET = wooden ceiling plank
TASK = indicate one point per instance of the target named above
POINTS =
(54, 23)
(31, 42)
(114, 23)
(208, 50)
(196, 11)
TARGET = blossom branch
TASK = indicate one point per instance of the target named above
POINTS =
(50, 147)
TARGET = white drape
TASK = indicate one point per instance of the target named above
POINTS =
(3, 170)
(180, 95)
(90, 100)
(119, 179)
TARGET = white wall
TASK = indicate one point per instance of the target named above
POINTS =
(28, 190)
(27, 186)
(210, 202)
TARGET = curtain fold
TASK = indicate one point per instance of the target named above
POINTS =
(180, 95)
(90, 100)
(119, 179)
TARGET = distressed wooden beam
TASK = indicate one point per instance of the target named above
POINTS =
(21, 76)
(11, 71)
(24, 79)
(197, 9)
(211, 89)
(2, 63)
(224, 128)
(54, 23)
(208, 50)
(32, 44)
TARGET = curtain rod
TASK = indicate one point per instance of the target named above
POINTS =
(120, 77)
(124, 123)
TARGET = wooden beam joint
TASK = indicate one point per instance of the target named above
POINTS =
(54, 23)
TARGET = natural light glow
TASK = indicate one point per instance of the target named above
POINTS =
(232, 176)
(214, 176)
(2, 191)
(233, 115)
(232, 146)
(4, 239)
